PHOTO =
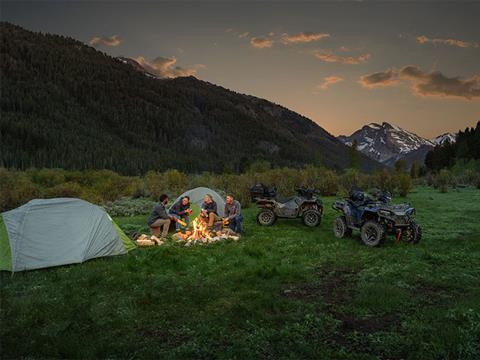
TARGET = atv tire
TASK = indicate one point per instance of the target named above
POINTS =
(373, 233)
(412, 234)
(312, 218)
(340, 228)
(266, 217)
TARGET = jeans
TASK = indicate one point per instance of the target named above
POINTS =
(185, 218)
(236, 224)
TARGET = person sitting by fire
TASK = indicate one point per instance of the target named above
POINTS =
(159, 218)
(181, 211)
(209, 210)
(233, 214)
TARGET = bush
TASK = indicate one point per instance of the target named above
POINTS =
(16, 188)
(47, 177)
(175, 182)
(404, 184)
(385, 181)
(68, 189)
(354, 178)
(443, 180)
(127, 206)
(328, 183)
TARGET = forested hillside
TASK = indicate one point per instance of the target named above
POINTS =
(65, 104)
(465, 148)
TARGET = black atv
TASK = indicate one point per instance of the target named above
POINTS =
(375, 218)
(305, 205)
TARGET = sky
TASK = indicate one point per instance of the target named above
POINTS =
(342, 64)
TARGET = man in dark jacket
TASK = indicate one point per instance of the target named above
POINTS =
(159, 218)
(209, 210)
(181, 210)
(233, 214)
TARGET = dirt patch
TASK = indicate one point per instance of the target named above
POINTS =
(306, 292)
(368, 325)
(336, 286)
(433, 295)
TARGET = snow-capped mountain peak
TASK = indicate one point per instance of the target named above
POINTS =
(441, 139)
(386, 143)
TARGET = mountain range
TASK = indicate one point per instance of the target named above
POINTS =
(388, 143)
(64, 104)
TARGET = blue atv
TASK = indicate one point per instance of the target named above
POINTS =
(375, 218)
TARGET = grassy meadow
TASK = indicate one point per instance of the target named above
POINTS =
(281, 292)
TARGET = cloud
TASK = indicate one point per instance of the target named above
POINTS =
(382, 78)
(423, 83)
(106, 41)
(244, 34)
(261, 42)
(329, 80)
(330, 57)
(165, 67)
(434, 83)
(303, 37)
(451, 42)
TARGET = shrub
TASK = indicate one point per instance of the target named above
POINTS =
(68, 189)
(16, 188)
(259, 167)
(404, 184)
(154, 184)
(351, 179)
(175, 182)
(443, 180)
(46, 177)
(328, 183)
(127, 206)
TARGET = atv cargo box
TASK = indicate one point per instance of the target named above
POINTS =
(263, 192)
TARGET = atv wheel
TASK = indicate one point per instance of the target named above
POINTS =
(340, 228)
(312, 218)
(373, 233)
(412, 234)
(266, 217)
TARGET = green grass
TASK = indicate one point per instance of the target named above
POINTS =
(281, 292)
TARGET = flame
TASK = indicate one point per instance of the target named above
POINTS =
(200, 229)
(201, 234)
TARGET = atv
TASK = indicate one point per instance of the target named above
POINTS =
(375, 218)
(305, 205)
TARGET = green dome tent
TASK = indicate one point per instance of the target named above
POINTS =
(51, 232)
(196, 197)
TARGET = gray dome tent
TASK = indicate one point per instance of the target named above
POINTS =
(51, 232)
(196, 197)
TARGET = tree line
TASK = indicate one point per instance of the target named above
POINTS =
(465, 148)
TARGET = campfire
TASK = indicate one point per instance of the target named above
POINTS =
(200, 233)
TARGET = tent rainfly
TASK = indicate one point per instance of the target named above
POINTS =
(196, 197)
(51, 232)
